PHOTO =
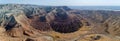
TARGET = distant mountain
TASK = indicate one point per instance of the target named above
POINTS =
(23, 22)
(96, 7)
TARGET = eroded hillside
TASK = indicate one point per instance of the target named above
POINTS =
(19, 22)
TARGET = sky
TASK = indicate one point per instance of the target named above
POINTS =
(65, 2)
